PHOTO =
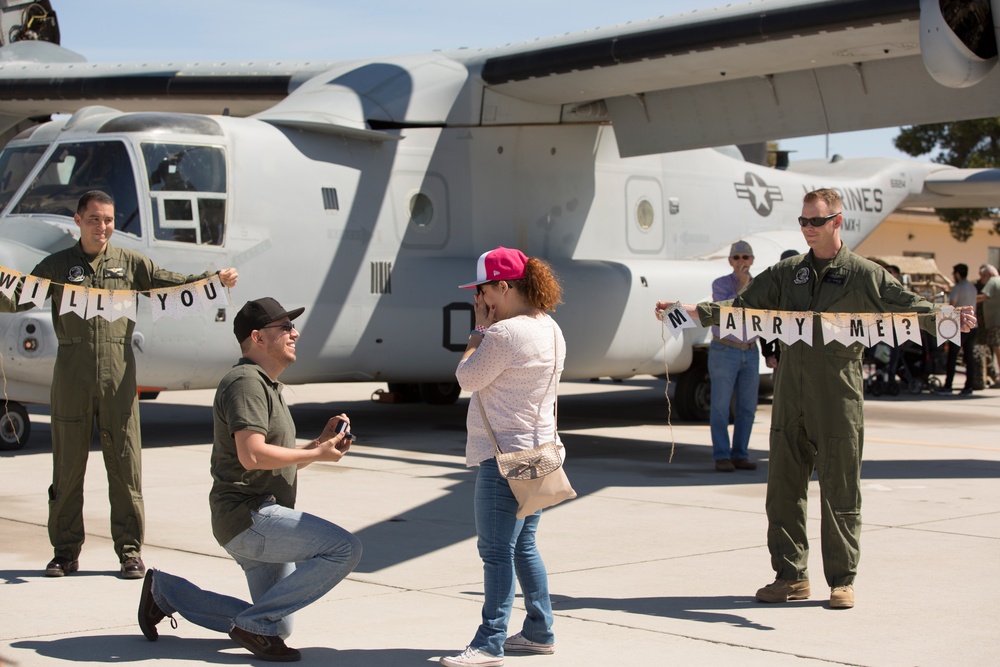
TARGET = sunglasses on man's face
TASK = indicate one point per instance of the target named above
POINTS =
(287, 326)
(817, 222)
(741, 257)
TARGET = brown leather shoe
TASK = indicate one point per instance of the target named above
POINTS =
(60, 567)
(724, 465)
(744, 464)
(133, 568)
(265, 647)
(149, 612)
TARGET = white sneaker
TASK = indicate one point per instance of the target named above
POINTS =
(519, 644)
(472, 656)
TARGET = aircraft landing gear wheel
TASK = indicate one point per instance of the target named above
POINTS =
(15, 427)
(915, 386)
(693, 393)
(440, 393)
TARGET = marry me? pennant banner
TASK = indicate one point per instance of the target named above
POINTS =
(791, 327)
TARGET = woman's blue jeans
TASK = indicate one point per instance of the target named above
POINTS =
(290, 559)
(507, 547)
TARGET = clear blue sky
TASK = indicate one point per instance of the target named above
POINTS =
(141, 30)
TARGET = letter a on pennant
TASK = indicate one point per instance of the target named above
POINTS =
(731, 322)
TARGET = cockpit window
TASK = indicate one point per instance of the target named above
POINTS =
(15, 163)
(75, 168)
(187, 186)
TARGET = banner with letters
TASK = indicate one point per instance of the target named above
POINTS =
(791, 327)
(88, 302)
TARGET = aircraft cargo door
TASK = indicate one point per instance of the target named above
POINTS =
(644, 225)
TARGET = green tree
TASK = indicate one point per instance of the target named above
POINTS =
(972, 144)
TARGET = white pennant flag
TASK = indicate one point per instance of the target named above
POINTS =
(74, 300)
(880, 330)
(34, 290)
(754, 321)
(949, 325)
(675, 319)
(8, 282)
(175, 302)
(798, 327)
(906, 327)
(124, 303)
(99, 303)
(836, 327)
(731, 322)
(212, 293)
(774, 325)
(858, 325)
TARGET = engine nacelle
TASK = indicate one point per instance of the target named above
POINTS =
(958, 40)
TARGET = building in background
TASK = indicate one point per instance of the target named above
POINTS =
(918, 232)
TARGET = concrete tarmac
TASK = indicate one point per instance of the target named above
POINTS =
(656, 562)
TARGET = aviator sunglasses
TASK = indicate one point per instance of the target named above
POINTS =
(817, 222)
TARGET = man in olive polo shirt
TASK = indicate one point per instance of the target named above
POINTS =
(290, 558)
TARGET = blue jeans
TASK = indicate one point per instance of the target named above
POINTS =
(507, 547)
(732, 372)
(290, 559)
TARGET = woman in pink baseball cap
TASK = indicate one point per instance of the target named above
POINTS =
(512, 365)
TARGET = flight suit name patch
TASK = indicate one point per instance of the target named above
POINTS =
(116, 272)
(835, 278)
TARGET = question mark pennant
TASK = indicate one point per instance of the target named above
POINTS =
(906, 327)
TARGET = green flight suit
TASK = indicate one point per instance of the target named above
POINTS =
(817, 419)
(94, 374)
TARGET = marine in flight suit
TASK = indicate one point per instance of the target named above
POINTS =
(817, 420)
(94, 375)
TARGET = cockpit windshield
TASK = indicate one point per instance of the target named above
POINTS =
(187, 184)
(75, 168)
(15, 165)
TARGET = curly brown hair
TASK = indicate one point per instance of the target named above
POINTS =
(539, 285)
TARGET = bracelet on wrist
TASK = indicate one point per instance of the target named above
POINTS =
(481, 329)
(474, 332)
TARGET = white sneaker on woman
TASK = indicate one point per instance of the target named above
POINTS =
(472, 656)
(520, 644)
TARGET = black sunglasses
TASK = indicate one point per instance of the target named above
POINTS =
(742, 257)
(479, 288)
(287, 326)
(816, 222)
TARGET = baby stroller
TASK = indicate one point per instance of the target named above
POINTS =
(908, 365)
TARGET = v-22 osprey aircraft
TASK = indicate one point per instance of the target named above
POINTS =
(365, 190)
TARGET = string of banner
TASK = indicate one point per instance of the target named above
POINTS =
(89, 302)
(790, 327)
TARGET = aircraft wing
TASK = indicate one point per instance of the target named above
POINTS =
(738, 74)
(764, 70)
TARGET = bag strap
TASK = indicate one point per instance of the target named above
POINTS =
(555, 407)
